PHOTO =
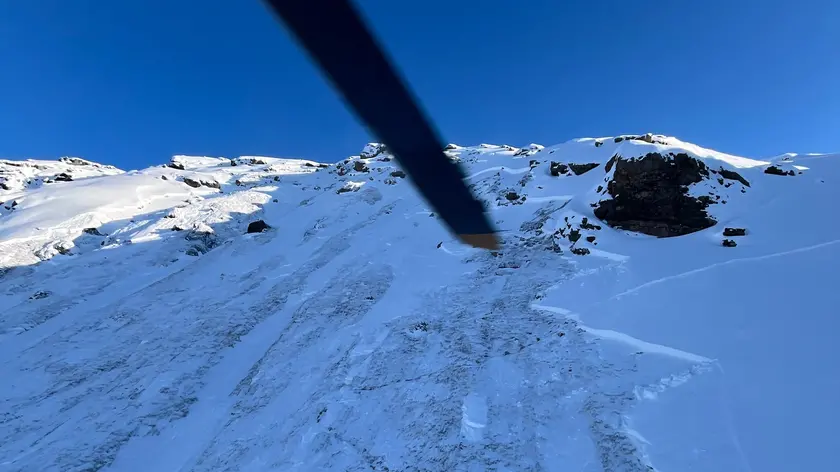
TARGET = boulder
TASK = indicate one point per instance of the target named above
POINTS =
(258, 226)
(734, 232)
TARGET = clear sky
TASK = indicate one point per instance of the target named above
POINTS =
(131, 83)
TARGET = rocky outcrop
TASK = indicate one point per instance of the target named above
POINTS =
(773, 170)
(372, 150)
(732, 175)
(580, 169)
(649, 195)
(258, 226)
(558, 169)
(648, 138)
(198, 183)
(734, 232)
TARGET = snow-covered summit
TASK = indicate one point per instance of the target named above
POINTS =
(655, 306)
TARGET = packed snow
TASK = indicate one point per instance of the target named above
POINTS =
(257, 313)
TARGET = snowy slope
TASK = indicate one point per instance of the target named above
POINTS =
(143, 329)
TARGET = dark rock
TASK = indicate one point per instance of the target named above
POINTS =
(619, 139)
(558, 169)
(585, 224)
(40, 295)
(439, 244)
(323, 166)
(580, 251)
(512, 196)
(580, 169)
(706, 200)
(591, 239)
(650, 196)
(92, 231)
(176, 165)
(192, 183)
(734, 232)
(233, 163)
(63, 177)
(163, 177)
(211, 184)
(574, 235)
(533, 163)
(308, 164)
(729, 243)
(773, 170)
(398, 173)
(177, 228)
(75, 161)
(360, 166)
(732, 175)
(599, 143)
(450, 147)
(258, 226)
(611, 163)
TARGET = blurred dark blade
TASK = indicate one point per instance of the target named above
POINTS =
(337, 39)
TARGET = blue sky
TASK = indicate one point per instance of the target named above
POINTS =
(132, 83)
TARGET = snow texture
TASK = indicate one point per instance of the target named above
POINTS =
(142, 329)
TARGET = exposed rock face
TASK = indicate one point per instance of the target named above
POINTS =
(258, 226)
(580, 169)
(773, 170)
(558, 169)
(650, 195)
(732, 175)
(198, 183)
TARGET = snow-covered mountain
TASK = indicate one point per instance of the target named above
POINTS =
(655, 306)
